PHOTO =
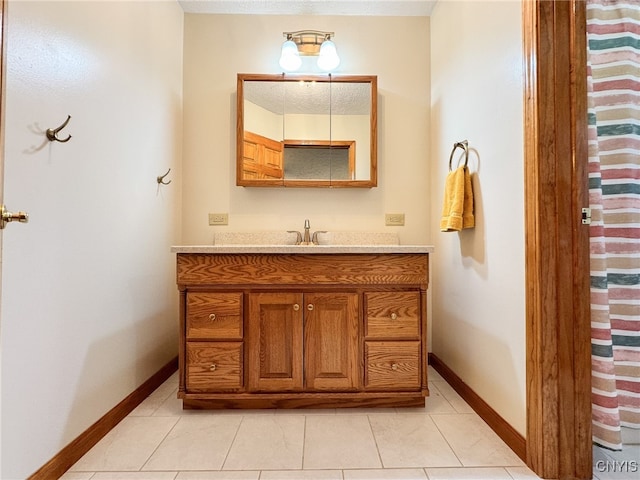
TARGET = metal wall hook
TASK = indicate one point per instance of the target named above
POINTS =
(52, 133)
(161, 178)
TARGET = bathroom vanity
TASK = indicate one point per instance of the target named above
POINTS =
(302, 326)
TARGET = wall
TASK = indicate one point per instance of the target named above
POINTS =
(218, 47)
(89, 299)
(478, 275)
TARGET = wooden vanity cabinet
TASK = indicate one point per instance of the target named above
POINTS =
(292, 331)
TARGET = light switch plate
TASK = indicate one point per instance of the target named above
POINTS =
(394, 219)
(218, 219)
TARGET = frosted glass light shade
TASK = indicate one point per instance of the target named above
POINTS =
(290, 57)
(328, 59)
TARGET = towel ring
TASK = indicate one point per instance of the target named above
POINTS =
(465, 146)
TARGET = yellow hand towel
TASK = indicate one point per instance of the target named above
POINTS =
(457, 212)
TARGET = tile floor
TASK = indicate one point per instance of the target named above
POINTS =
(160, 441)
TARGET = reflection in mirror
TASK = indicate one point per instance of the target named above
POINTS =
(332, 159)
(306, 130)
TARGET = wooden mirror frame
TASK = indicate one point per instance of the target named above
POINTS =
(372, 181)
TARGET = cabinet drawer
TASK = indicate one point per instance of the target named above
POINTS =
(214, 316)
(392, 365)
(392, 315)
(214, 366)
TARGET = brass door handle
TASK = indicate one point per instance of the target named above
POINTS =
(296, 307)
(310, 307)
(212, 317)
(394, 316)
(7, 217)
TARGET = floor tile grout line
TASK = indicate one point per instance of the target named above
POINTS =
(233, 440)
(446, 439)
(163, 398)
(141, 469)
(173, 390)
(457, 397)
(446, 400)
(375, 441)
(304, 439)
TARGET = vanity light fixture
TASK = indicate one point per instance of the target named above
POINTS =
(312, 43)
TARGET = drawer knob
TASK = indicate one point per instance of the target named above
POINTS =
(310, 307)
(213, 367)
(296, 307)
(394, 366)
(394, 315)
(212, 317)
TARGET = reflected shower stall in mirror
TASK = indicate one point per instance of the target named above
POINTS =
(307, 130)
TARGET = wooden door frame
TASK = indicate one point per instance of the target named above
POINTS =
(557, 244)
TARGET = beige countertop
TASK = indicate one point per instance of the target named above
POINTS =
(301, 249)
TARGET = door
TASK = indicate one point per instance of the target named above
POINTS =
(303, 342)
(274, 333)
(331, 341)
(262, 158)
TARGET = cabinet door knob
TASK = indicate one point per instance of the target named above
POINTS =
(296, 307)
(310, 307)
(394, 366)
(213, 367)
(212, 317)
(394, 315)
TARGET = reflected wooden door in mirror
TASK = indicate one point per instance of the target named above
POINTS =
(307, 131)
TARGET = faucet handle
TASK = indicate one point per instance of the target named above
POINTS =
(298, 236)
(314, 238)
(307, 224)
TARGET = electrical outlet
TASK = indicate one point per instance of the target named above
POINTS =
(394, 219)
(218, 219)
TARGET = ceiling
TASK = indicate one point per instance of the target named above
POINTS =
(311, 7)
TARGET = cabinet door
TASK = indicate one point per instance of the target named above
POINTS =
(274, 332)
(331, 341)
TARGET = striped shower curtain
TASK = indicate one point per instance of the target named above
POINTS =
(613, 29)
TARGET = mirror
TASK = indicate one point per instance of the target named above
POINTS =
(306, 131)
